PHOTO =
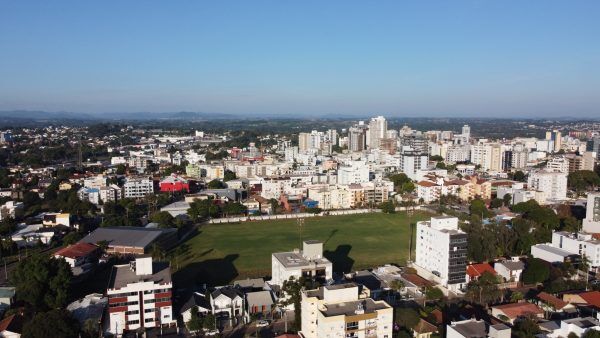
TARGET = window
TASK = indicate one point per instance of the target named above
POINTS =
(352, 326)
(132, 312)
(149, 310)
(133, 322)
(148, 320)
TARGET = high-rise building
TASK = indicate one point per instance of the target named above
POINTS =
(555, 136)
(377, 131)
(596, 146)
(442, 250)
(139, 296)
(357, 138)
(466, 131)
(552, 184)
(591, 223)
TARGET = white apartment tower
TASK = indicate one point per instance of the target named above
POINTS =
(552, 184)
(442, 250)
(342, 311)
(377, 131)
(591, 223)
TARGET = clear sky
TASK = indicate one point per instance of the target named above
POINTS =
(397, 58)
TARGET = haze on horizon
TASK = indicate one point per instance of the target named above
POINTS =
(418, 58)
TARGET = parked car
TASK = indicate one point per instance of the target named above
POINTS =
(211, 333)
(262, 323)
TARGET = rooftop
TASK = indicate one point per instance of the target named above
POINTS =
(296, 260)
(80, 249)
(125, 236)
(123, 275)
(351, 308)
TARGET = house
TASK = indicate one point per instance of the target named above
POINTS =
(198, 300)
(259, 303)
(510, 270)
(512, 311)
(551, 303)
(139, 296)
(53, 219)
(91, 307)
(306, 263)
(12, 326)
(588, 298)
(474, 271)
(12, 209)
(32, 234)
(227, 303)
(7, 296)
(578, 326)
(250, 284)
(552, 254)
(78, 253)
(424, 329)
(472, 328)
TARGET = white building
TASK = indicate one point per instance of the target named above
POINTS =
(11, 209)
(476, 328)
(358, 172)
(550, 253)
(442, 250)
(591, 223)
(582, 244)
(552, 184)
(139, 295)
(306, 263)
(579, 326)
(138, 187)
(341, 311)
(376, 132)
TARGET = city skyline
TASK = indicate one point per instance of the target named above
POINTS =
(465, 59)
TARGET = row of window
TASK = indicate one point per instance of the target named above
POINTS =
(123, 304)
(157, 300)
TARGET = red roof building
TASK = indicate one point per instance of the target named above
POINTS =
(474, 271)
(174, 183)
(77, 254)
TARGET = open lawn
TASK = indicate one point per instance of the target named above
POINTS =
(221, 253)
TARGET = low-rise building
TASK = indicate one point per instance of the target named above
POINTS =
(78, 253)
(513, 311)
(472, 328)
(131, 240)
(510, 270)
(138, 187)
(308, 263)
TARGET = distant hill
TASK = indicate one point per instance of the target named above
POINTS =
(39, 116)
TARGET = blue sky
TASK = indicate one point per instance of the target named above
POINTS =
(398, 58)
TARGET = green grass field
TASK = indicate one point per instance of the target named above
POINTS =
(221, 253)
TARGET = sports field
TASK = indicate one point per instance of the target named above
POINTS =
(221, 253)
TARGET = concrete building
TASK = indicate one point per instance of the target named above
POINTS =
(377, 131)
(591, 223)
(308, 263)
(442, 250)
(582, 244)
(341, 311)
(552, 184)
(139, 296)
(138, 187)
(472, 328)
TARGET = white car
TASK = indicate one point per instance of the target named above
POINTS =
(262, 323)
(211, 333)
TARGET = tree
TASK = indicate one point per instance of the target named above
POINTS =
(591, 334)
(407, 317)
(195, 324)
(234, 208)
(202, 209)
(209, 322)
(229, 175)
(216, 184)
(536, 271)
(485, 290)
(436, 158)
(121, 169)
(516, 296)
(433, 293)
(526, 327)
(507, 199)
(477, 207)
(57, 323)
(292, 289)
(91, 328)
(519, 176)
(163, 218)
(42, 281)
(583, 180)
(496, 203)
(388, 207)
(71, 238)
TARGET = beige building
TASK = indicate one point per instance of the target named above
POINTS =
(342, 311)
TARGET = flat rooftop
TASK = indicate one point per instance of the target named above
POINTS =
(554, 250)
(125, 236)
(296, 260)
(122, 275)
(350, 308)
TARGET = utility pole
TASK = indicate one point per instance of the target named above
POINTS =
(300, 222)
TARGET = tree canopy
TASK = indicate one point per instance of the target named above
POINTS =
(55, 323)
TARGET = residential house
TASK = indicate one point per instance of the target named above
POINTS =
(512, 311)
(510, 270)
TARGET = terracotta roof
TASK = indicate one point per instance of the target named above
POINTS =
(549, 299)
(591, 297)
(476, 270)
(425, 327)
(426, 184)
(417, 280)
(12, 323)
(438, 315)
(79, 249)
(515, 310)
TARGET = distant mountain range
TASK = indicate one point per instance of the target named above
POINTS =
(23, 115)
